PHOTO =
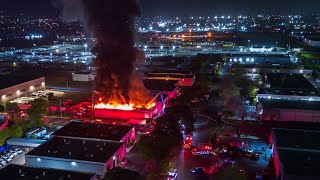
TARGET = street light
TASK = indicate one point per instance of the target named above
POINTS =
(92, 103)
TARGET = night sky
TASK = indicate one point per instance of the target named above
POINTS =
(174, 7)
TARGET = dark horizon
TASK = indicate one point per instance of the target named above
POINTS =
(177, 7)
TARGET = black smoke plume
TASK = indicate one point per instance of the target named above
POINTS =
(112, 24)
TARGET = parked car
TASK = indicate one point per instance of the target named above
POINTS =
(197, 170)
(8, 159)
(172, 175)
(3, 162)
(255, 156)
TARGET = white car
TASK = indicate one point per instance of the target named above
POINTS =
(2, 162)
(7, 159)
(10, 155)
(172, 175)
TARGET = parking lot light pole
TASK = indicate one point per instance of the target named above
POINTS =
(60, 108)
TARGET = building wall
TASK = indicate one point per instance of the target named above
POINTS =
(311, 42)
(82, 77)
(277, 162)
(129, 137)
(286, 115)
(257, 71)
(182, 81)
(65, 164)
(288, 97)
(16, 91)
(115, 159)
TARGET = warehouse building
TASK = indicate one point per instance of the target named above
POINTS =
(82, 155)
(296, 154)
(15, 172)
(184, 79)
(12, 87)
(168, 87)
(83, 76)
(100, 132)
(281, 86)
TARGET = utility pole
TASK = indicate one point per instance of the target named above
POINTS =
(60, 108)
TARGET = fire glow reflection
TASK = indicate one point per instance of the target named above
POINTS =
(124, 107)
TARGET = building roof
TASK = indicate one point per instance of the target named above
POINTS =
(94, 131)
(17, 172)
(290, 104)
(169, 75)
(77, 149)
(289, 84)
(83, 72)
(294, 138)
(302, 163)
(299, 151)
(160, 85)
(25, 142)
(7, 81)
(288, 81)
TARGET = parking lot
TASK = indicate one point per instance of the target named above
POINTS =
(12, 155)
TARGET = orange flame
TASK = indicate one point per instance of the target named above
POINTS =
(124, 107)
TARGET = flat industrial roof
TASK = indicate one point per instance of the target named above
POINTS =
(93, 131)
(17, 172)
(290, 104)
(302, 163)
(83, 72)
(289, 84)
(299, 151)
(172, 75)
(296, 138)
(77, 149)
(7, 81)
(281, 80)
(160, 85)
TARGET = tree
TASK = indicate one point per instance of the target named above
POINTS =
(12, 109)
(184, 114)
(161, 143)
(2, 108)
(122, 174)
(38, 109)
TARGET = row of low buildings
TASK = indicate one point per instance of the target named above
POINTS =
(296, 153)
(291, 106)
(12, 87)
(289, 97)
(184, 79)
(77, 150)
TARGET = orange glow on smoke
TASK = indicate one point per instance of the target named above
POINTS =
(124, 107)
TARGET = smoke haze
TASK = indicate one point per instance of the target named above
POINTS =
(111, 23)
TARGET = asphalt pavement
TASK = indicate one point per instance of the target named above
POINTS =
(185, 161)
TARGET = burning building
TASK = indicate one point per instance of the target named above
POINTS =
(132, 112)
(122, 94)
